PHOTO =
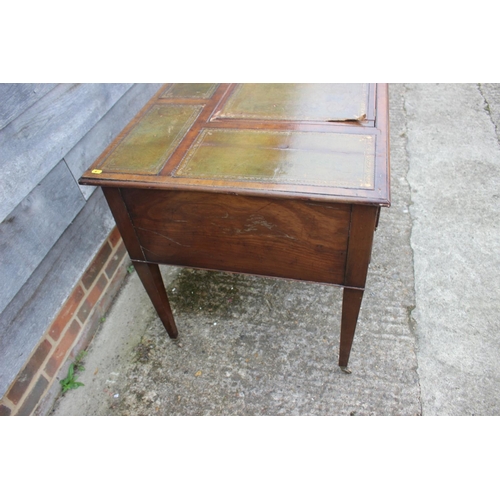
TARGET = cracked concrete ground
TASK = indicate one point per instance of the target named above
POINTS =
(427, 339)
(454, 155)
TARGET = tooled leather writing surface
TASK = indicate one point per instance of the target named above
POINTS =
(312, 158)
(150, 143)
(298, 101)
(290, 138)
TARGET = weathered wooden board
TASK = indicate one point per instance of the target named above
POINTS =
(31, 311)
(41, 136)
(81, 157)
(34, 226)
(15, 98)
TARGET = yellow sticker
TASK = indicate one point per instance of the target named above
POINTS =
(96, 171)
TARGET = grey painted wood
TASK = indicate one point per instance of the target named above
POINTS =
(34, 226)
(34, 307)
(49, 233)
(15, 98)
(81, 157)
(40, 137)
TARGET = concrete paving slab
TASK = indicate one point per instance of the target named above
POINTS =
(249, 346)
(454, 160)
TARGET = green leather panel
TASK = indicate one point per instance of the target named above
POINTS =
(298, 101)
(146, 148)
(289, 157)
(191, 90)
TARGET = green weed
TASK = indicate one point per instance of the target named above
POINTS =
(70, 381)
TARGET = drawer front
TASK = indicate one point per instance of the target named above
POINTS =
(256, 235)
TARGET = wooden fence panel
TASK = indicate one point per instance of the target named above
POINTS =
(15, 98)
(34, 226)
(39, 138)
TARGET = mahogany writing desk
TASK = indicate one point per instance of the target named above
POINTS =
(280, 180)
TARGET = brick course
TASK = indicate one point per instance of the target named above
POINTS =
(67, 312)
(113, 263)
(34, 397)
(114, 237)
(4, 411)
(96, 266)
(92, 298)
(63, 347)
(35, 388)
(30, 370)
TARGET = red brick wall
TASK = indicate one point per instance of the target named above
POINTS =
(36, 387)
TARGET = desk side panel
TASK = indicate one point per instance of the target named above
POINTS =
(280, 238)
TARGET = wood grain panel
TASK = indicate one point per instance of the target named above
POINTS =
(363, 222)
(37, 140)
(30, 231)
(287, 238)
(15, 98)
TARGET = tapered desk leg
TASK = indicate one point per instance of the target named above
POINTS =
(363, 223)
(153, 283)
(148, 273)
(351, 304)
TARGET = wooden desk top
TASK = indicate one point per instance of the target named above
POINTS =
(311, 141)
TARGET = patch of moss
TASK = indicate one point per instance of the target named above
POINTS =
(210, 292)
